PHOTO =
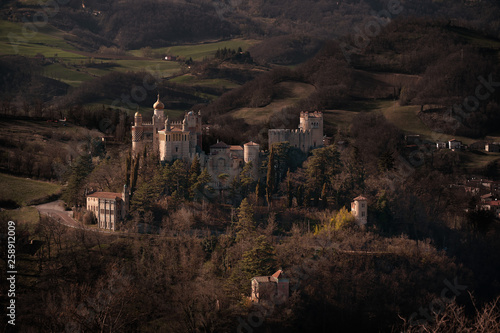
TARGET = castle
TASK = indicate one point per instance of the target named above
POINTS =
(183, 140)
(171, 140)
(308, 136)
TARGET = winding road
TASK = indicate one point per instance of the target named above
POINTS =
(56, 210)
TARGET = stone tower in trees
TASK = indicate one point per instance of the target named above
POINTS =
(359, 209)
(308, 136)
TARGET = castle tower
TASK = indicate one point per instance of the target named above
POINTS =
(312, 121)
(158, 121)
(359, 209)
(251, 154)
(137, 134)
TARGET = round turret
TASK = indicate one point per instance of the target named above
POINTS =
(138, 119)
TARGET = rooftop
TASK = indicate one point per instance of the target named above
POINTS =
(105, 195)
(219, 145)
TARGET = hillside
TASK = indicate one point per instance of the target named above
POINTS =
(129, 24)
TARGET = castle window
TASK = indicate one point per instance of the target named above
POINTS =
(362, 214)
(176, 149)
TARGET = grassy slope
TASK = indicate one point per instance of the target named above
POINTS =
(23, 215)
(191, 80)
(297, 90)
(23, 190)
(200, 51)
(50, 42)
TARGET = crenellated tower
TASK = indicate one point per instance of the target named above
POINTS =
(308, 136)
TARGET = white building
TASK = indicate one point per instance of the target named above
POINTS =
(171, 140)
(108, 207)
(441, 145)
(359, 209)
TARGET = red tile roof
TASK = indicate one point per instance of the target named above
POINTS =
(359, 198)
(105, 195)
(278, 274)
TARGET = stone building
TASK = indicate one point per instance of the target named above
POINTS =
(308, 136)
(274, 288)
(183, 140)
(226, 159)
(170, 140)
(359, 209)
(108, 207)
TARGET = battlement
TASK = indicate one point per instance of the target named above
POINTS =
(280, 131)
(315, 114)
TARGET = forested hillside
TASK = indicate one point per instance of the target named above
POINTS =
(131, 24)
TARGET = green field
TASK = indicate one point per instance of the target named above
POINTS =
(23, 191)
(70, 62)
(47, 41)
(192, 80)
(201, 51)
(21, 215)
(406, 118)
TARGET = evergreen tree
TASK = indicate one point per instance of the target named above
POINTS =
(128, 166)
(135, 173)
(200, 188)
(179, 178)
(260, 260)
(73, 195)
(194, 171)
(246, 221)
(322, 168)
(324, 195)
(246, 179)
(289, 190)
(271, 177)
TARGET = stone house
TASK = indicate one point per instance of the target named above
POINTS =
(274, 288)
